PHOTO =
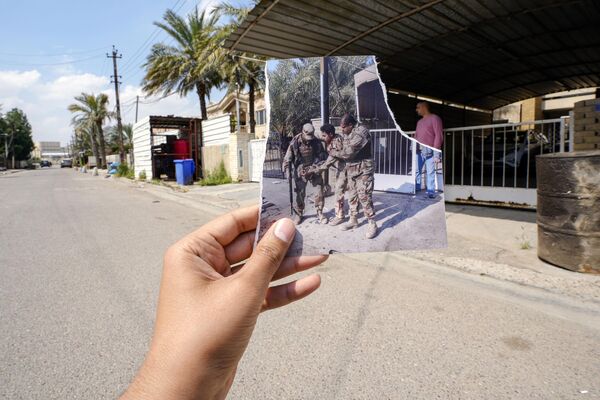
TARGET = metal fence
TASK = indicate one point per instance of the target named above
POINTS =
(276, 147)
(501, 155)
(391, 152)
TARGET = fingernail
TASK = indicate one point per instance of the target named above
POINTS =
(285, 229)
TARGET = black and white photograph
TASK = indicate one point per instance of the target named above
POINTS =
(340, 167)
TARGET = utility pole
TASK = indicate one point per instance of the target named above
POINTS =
(137, 102)
(324, 90)
(115, 78)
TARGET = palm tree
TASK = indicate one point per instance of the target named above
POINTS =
(113, 137)
(91, 112)
(240, 70)
(181, 67)
(86, 137)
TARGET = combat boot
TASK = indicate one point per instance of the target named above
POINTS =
(351, 224)
(297, 218)
(336, 220)
(322, 219)
(371, 229)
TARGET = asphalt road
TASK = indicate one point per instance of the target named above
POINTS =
(80, 264)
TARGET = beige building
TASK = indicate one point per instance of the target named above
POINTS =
(554, 105)
(51, 151)
(229, 105)
(225, 140)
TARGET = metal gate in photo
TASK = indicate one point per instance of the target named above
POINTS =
(394, 156)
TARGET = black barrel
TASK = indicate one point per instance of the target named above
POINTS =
(568, 210)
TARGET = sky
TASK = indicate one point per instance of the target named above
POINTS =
(52, 51)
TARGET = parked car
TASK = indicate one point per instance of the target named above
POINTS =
(66, 163)
(45, 163)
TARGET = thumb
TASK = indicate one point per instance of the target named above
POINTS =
(269, 253)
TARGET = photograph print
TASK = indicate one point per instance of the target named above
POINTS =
(340, 167)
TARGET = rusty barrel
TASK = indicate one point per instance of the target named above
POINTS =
(568, 210)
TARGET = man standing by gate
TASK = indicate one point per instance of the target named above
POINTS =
(429, 132)
(302, 158)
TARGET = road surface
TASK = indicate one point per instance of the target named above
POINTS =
(80, 264)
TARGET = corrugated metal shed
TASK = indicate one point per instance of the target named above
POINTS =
(216, 131)
(483, 54)
(142, 144)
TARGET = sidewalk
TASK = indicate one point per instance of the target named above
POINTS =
(502, 244)
(484, 241)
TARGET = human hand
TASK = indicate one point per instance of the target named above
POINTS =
(207, 309)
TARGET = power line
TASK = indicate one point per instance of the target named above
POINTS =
(139, 52)
(56, 54)
(48, 64)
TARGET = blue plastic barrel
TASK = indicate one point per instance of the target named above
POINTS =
(184, 171)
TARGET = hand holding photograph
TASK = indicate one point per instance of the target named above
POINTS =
(340, 167)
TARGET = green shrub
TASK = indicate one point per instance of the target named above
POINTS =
(218, 176)
(142, 175)
(124, 171)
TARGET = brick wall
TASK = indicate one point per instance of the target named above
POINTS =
(586, 115)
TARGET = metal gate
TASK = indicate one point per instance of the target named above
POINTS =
(274, 152)
(496, 163)
(394, 156)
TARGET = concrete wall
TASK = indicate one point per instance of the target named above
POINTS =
(239, 157)
(213, 155)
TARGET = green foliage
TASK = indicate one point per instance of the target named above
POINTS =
(19, 139)
(142, 175)
(294, 89)
(218, 176)
(182, 67)
(90, 113)
(124, 171)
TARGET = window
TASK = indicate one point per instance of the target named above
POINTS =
(261, 117)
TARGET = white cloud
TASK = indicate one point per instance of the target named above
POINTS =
(65, 87)
(11, 81)
(45, 101)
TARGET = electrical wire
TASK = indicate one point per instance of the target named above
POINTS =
(49, 64)
(139, 52)
(56, 54)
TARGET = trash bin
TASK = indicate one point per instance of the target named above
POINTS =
(568, 201)
(184, 171)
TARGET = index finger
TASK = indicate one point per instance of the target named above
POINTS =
(226, 228)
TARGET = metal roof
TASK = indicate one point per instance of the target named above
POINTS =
(483, 54)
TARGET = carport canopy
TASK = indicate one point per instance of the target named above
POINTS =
(482, 54)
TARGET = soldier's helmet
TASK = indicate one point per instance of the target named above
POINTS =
(308, 130)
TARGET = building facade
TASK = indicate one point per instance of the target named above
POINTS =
(226, 134)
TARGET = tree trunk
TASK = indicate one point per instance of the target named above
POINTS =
(251, 93)
(102, 144)
(201, 90)
(94, 143)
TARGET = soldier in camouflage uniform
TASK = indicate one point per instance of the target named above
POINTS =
(334, 142)
(357, 154)
(305, 154)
